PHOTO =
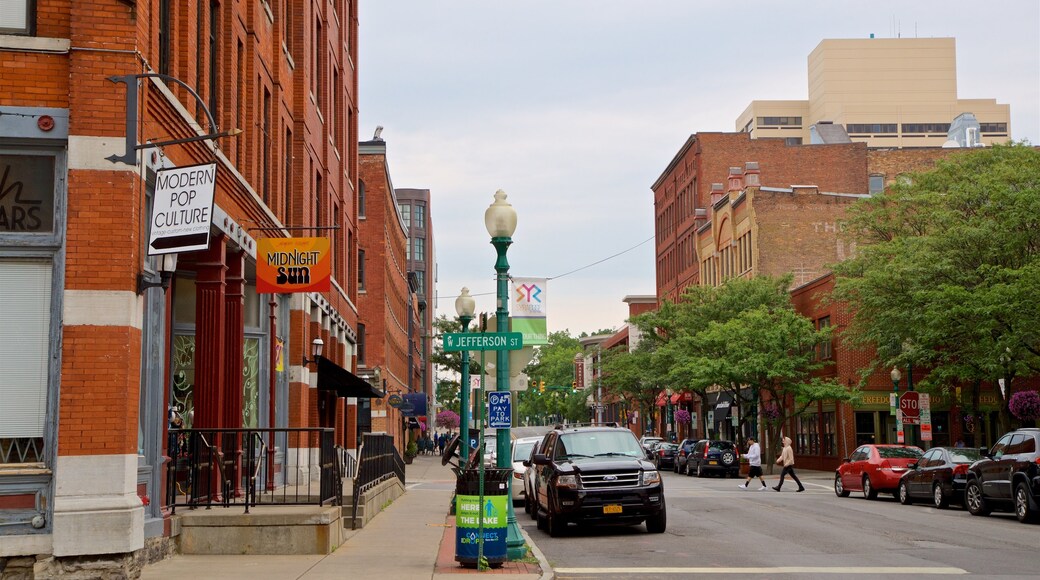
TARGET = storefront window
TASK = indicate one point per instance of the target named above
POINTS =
(183, 395)
(251, 383)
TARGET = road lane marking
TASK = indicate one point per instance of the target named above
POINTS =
(769, 570)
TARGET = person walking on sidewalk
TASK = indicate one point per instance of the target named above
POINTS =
(754, 457)
(787, 460)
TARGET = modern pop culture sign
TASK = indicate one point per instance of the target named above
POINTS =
(529, 310)
(182, 209)
(288, 265)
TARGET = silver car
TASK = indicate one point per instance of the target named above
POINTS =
(522, 449)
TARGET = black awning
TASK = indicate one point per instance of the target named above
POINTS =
(332, 377)
(722, 406)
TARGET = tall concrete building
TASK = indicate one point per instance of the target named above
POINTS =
(422, 261)
(885, 92)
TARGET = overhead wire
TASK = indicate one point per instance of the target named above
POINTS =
(597, 262)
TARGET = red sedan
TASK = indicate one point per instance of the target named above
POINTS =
(874, 468)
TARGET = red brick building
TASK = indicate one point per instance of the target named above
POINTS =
(82, 426)
(683, 193)
(387, 303)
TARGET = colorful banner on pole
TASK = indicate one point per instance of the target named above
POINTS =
(289, 265)
(529, 309)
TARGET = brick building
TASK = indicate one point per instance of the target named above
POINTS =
(683, 193)
(84, 419)
(387, 304)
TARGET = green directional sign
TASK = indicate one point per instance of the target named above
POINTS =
(459, 341)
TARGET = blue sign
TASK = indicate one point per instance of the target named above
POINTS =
(500, 415)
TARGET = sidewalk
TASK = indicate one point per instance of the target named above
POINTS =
(412, 538)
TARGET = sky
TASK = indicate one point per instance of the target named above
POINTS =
(575, 107)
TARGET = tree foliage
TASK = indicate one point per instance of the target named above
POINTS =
(553, 364)
(449, 363)
(946, 275)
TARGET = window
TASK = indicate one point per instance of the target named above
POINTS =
(420, 216)
(993, 127)
(214, 62)
(361, 269)
(319, 217)
(406, 213)
(792, 140)
(926, 128)
(420, 250)
(826, 349)
(780, 121)
(164, 36)
(361, 199)
(877, 184)
(419, 280)
(830, 446)
(240, 112)
(870, 128)
(334, 110)
(361, 343)
(1021, 444)
(265, 148)
(25, 291)
(287, 147)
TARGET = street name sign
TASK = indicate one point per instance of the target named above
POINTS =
(910, 406)
(182, 209)
(500, 415)
(460, 341)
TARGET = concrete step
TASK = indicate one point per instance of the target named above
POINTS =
(266, 530)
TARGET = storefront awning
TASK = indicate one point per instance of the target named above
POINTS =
(722, 406)
(332, 377)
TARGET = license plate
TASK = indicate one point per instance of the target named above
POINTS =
(713, 463)
(612, 509)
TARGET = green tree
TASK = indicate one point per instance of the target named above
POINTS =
(553, 363)
(946, 275)
(746, 337)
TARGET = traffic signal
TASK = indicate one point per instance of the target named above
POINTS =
(541, 386)
(574, 386)
(534, 383)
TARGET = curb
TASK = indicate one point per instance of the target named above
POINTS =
(547, 571)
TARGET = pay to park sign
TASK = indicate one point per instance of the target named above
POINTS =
(182, 209)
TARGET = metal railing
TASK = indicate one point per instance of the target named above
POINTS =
(239, 467)
(347, 462)
(378, 461)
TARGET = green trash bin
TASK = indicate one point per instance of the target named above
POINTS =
(470, 509)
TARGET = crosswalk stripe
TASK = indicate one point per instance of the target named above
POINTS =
(940, 571)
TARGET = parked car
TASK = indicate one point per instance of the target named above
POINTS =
(664, 455)
(529, 474)
(940, 475)
(1008, 477)
(522, 449)
(596, 475)
(648, 441)
(713, 456)
(681, 455)
(874, 468)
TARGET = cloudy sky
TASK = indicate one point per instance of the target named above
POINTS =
(575, 107)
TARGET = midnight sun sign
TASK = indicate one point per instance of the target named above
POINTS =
(288, 265)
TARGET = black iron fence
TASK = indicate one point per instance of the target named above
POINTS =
(250, 467)
(347, 463)
(378, 460)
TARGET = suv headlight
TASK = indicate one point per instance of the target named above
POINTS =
(650, 478)
(569, 481)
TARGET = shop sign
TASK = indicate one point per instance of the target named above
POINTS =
(291, 265)
(395, 400)
(26, 194)
(182, 209)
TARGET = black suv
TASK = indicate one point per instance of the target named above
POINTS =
(597, 475)
(1008, 477)
(713, 456)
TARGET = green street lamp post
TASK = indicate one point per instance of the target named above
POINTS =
(464, 306)
(500, 220)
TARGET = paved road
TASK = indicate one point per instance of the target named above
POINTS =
(718, 530)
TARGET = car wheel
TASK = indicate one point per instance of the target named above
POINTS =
(904, 494)
(539, 519)
(687, 469)
(555, 526)
(700, 470)
(839, 489)
(1023, 511)
(939, 498)
(868, 490)
(527, 502)
(974, 500)
(656, 524)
